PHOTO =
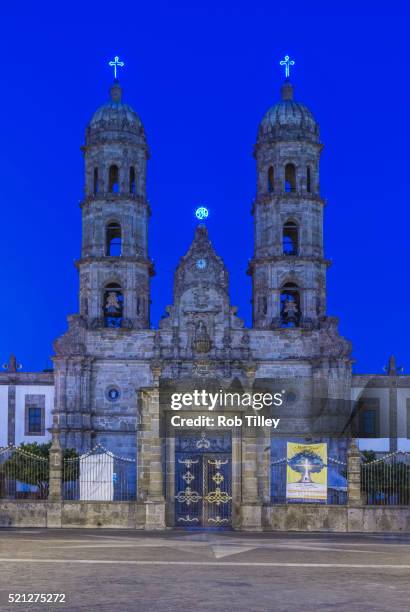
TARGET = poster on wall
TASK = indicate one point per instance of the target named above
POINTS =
(306, 472)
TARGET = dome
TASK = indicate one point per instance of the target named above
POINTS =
(115, 111)
(113, 117)
(288, 120)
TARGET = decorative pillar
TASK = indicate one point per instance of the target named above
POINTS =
(251, 505)
(354, 495)
(55, 467)
(150, 460)
(55, 479)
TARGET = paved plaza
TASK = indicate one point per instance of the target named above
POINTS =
(188, 570)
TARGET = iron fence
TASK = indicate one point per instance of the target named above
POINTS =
(336, 481)
(99, 475)
(386, 481)
(22, 474)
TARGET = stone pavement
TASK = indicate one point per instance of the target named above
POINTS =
(125, 570)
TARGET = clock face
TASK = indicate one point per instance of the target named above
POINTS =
(201, 264)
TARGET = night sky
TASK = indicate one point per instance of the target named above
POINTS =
(201, 76)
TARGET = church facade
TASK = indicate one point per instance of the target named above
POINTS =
(110, 352)
(112, 371)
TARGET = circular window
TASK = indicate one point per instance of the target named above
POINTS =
(113, 394)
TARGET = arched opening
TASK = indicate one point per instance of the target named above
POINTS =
(132, 180)
(290, 178)
(290, 238)
(95, 184)
(113, 182)
(113, 240)
(308, 180)
(113, 303)
(271, 180)
(290, 305)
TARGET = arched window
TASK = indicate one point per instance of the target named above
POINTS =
(113, 303)
(271, 180)
(290, 238)
(95, 186)
(132, 180)
(290, 178)
(113, 241)
(308, 180)
(290, 305)
(113, 183)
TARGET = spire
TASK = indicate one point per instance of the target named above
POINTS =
(391, 368)
(116, 91)
(287, 90)
(12, 365)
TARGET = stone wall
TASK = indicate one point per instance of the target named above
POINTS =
(131, 515)
(118, 515)
(317, 517)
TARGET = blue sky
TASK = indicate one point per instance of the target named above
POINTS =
(201, 76)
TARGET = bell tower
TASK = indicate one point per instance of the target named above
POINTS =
(114, 267)
(288, 268)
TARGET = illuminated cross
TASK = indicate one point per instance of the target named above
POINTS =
(287, 63)
(116, 63)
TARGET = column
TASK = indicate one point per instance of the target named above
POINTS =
(354, 495)
(55, 479)
(251, 505)
(150, 460)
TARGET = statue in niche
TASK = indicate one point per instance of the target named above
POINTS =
(202, 341)
(291, 311)
(112, 303)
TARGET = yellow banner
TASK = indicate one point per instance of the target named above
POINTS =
(306, 472)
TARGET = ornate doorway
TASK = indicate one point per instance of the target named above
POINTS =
(203, 480)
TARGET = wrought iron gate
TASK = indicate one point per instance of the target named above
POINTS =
(203, 480)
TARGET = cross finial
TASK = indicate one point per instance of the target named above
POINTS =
(115, 63)
(287, 62)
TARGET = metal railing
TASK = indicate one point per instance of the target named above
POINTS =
(99, 475)
(386, 481)
(22, 474)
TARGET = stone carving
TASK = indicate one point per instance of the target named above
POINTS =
(331, 343)
(201, 296)
(227, 340)
(73, 342)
